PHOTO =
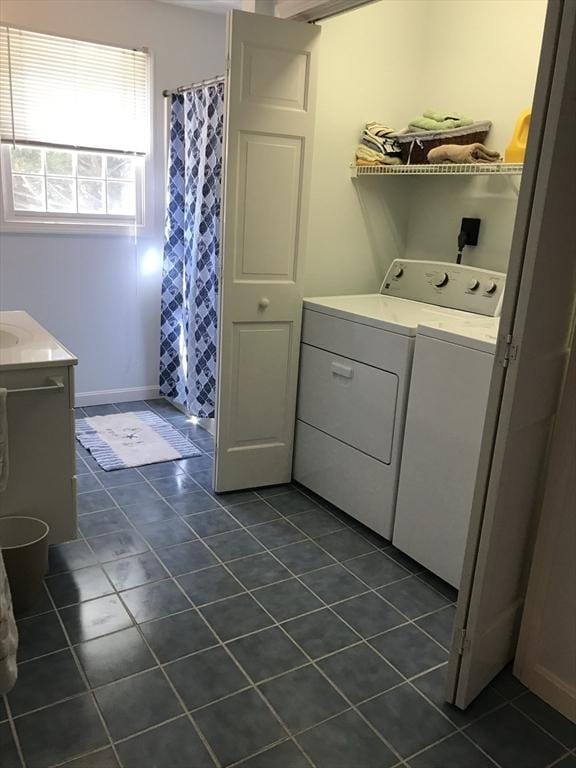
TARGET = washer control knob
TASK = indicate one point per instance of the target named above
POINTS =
(473, 284)
(398, 271)
(441, 280)
(491, 287)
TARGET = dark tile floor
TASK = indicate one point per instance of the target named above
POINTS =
(264, 629)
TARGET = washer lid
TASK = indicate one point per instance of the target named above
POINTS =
(475, 332)
(387, 312)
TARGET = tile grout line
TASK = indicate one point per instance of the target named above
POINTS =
(326, 606)
(284, 517)
(249, 687)
(142, 636)
(223, 564)
(559, 760)
(302, 650)
(137, 626)
(159, 666)
(275, 623)
(246, 591)
(169, 577)
(196, 608)
(219, 644)
(457, 732)
(409, 621)
(307, 537)
(374, 589)
(304, 491)
(14, 732)
(341, 562)
(85, 680)
(513, 704)
(259, 693)
(229, 654)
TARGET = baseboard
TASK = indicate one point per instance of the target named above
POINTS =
(209, 425)
(106, 396)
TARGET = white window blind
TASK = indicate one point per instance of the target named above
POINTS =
(69, 93)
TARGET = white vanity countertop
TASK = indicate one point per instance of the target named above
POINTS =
(25, 344)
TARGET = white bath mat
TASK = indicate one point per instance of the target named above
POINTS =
(123, 440)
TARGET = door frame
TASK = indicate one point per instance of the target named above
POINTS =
(315, 10)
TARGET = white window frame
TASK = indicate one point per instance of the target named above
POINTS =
(70, 223)
(40, 222)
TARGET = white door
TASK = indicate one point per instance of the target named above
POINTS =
(271, 77)
(524, 394)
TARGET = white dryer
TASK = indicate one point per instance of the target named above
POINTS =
(453, 362)
(356, 359)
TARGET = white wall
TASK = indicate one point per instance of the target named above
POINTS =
(386, 61)
(368, 59)
(100, 294)
(481, 59)
(389, 61)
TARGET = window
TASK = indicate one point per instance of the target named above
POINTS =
(74, 126)
(60, 181)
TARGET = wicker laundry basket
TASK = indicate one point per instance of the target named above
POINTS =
(415, 146)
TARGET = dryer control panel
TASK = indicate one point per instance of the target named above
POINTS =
(445, 284)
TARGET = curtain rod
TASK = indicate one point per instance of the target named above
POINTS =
(194, 86)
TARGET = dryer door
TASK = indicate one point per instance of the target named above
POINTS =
(353, 402)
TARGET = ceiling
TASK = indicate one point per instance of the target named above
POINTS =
(214, 6)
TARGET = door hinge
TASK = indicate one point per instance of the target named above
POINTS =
(461, 635)
(510, 351)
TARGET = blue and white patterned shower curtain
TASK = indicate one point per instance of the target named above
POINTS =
(189, 279)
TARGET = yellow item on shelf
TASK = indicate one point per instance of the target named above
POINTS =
(516, 150)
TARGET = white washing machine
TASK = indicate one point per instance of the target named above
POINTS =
(447, 401)
(356, 360)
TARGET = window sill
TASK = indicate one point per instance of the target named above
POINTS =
(121, 229)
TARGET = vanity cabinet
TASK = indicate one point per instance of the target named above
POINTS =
(40, 411)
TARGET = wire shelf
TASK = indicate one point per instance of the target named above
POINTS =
(442, 169)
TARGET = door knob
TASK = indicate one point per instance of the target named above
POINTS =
(263, 303)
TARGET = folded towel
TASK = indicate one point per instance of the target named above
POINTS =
(439, 117)
(3, 439)
(437, 121)
(379, 129)
(367, 156)
(8, 635)
(372, 144)
(379, 139)
(482, 153)
(463, 153)
(378, 144)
